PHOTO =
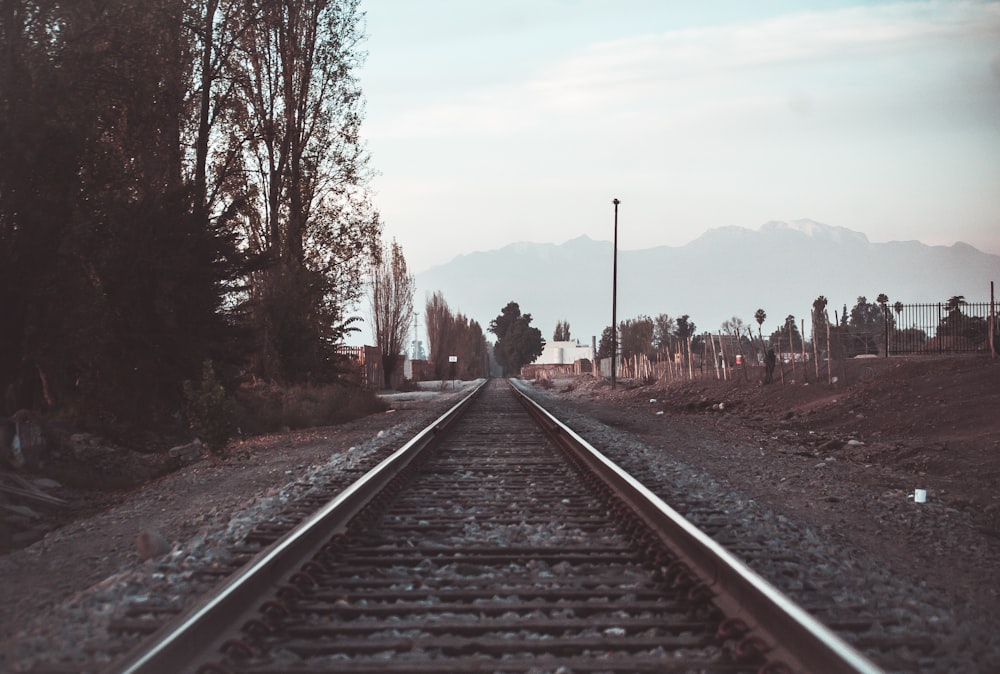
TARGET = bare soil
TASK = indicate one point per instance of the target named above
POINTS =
(845, 457)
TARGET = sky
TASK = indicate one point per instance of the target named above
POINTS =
(490, 122)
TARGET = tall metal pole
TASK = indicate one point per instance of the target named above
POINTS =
(614, 304)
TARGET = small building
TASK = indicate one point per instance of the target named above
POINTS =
(564, 353)
(561, 358)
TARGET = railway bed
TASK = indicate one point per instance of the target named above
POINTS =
(493, 552)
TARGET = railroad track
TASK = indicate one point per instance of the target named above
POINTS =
(495, 541)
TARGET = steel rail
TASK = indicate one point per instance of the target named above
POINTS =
(794, 638)
(203, 628)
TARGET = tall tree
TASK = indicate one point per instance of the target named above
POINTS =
(295, 132)
(663, 329)
(117, 287)
(451, 334)
(517, 342)
(439, 321)
(391, 305)
(636, 337)
(605, 344)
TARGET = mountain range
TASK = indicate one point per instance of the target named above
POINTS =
(729, 271)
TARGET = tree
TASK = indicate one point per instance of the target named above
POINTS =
(866, 327)
(391, 305)
(517, 342)
(561, 333)
(636, 337)
(605, 344)
(439, 320)
(958, 324)
(663, 328)
(115, 287)
(780, 337)
(450, 334)
(684, 331)
(760, 316)
(300, 178)
(182, 180)
(734, 324)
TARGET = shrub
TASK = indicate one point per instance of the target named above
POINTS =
(209, 409)
(267, 408)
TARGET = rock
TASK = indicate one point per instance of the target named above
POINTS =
(151, 543)
(189, 452)
(830, 445)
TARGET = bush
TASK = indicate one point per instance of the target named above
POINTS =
(209, 409)
(267, 408)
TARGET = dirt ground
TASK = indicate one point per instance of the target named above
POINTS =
(934, 421)
(844, 457)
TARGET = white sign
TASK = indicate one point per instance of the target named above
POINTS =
(452, 359)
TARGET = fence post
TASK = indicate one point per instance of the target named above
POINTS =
(993, 324)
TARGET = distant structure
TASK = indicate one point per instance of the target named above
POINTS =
(570, 357)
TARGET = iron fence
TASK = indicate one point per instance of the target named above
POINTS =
(907, 329)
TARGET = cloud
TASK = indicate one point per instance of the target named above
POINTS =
(682, 74)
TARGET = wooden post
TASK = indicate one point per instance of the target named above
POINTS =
(715, 356)
(780, 363)
(829, 352)
(815, 349)
(725, 361)
(805, 368)
(791, 348)
(690, 364)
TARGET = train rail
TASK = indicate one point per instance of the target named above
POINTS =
(496, 540)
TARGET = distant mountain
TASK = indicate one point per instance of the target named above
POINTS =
(729, 271)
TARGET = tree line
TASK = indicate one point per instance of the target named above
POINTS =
(860, 329)
(182, 181)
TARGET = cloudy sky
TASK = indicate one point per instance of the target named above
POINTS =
(493, 122)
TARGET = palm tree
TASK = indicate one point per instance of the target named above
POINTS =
(954, 303)
(760, 316)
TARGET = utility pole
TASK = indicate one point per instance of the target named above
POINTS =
(416, 337)
(614, 304)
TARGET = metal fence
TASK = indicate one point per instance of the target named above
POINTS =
(919, 329)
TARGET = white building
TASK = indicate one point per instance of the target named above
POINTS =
(564, 353)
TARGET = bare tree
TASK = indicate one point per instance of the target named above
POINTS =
(561, 333)
(663, 330)
(391, 305)
(302, 177)
(439, 319)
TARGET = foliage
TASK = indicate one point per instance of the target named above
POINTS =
(866, 327)
(787, 338)
(663, 329)
(268, 408)
(958, 324)
(181, 181)
(636, 337)
(605, 345)
(517, 342)
(392, 291)
(450, 334)
(211, 412)
(685, 328)
(561, 333)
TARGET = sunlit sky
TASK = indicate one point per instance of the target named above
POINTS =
(492, 122)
